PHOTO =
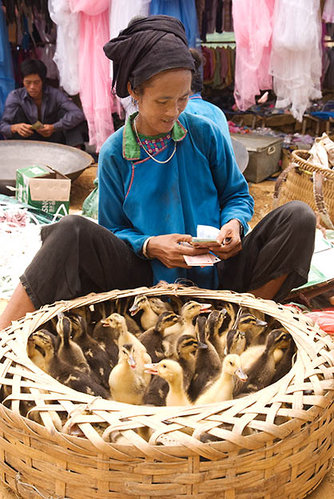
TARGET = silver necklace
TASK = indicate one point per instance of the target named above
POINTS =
(150, 155)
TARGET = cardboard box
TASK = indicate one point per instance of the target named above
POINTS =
(44, 188)
(264, 155)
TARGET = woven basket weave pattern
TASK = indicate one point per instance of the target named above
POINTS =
(275, 443)
(299, 184)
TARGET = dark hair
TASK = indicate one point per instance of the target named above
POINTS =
(33, 66)
(197, 78)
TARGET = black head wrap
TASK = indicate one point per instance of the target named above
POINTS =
(146, 47)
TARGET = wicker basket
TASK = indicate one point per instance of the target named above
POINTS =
(277, 443)
(309, 183)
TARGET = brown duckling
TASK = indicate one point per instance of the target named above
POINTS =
(107, 336)
(68, 350)
(249, 324)
(207, 363)
(122, 307)
(261, 369)
(64, 372)
(215, 327)
(151, 307)
(236, 342)
(222, 388)
(128, 380)
(171, 371)
(95, 354)
(153, 338)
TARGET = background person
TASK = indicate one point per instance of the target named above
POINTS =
(162, 174)
(58, 118)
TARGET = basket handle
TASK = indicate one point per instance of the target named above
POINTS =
(279, 181)
(321, 209)
(320, 201)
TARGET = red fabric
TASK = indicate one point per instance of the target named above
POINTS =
(324, 318)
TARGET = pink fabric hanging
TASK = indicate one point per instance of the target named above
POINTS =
(252, 20)
(328, 12)
(95, 83)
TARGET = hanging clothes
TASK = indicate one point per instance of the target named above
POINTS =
(252, 21)
(94, 77)
(296, 54)
(67, 49)
(7, 82)
(328, 12)
(185, 10)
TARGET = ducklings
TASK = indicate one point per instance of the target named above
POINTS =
(68, 350)
(249, 324)
(95, 354)
(235, 342)
(153, 338)
(217, 333)
(64, 372)
(222, 388)
(171, 371)
(128, 379)
(208, 363)
(151, 307)
(186, 349)
(260, 366)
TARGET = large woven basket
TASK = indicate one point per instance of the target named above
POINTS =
(277, 443)
(309, 183)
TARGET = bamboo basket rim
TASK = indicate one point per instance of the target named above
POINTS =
(306, 166)
(226, 421)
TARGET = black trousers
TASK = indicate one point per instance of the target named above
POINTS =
(79, 256)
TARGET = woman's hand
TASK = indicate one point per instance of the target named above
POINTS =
(23, 129)
(169, 249)
(229, 240)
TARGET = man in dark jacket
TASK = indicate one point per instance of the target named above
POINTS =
(41, 112)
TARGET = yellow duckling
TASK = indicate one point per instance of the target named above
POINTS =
(68, 350)
(222, 388)
(118, 323)
(34, 352)
(64, 372)
(128, 380)
(171, 371)
(189, 311)
(186, 349)
(151, 307)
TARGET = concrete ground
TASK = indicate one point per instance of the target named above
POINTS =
(262, 194)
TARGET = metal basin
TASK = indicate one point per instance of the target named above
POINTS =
(16, 154)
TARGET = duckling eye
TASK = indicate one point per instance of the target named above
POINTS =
(164, 365)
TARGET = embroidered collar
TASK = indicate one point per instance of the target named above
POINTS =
(195, 96)
(131, 148)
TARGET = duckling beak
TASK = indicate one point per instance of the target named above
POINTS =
(241, 374)
(261, 323)
(133, 310)
(104, 323)
(202, 345)
(205, 307)
(150, 368)
(132, 362)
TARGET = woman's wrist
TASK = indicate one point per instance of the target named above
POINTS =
(145, 248)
